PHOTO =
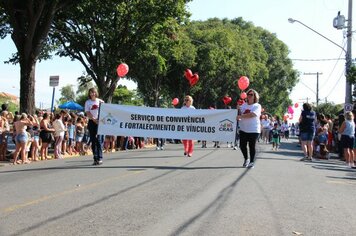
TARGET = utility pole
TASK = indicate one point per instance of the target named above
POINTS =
(339, 23)
(317, 85)
(348, 95)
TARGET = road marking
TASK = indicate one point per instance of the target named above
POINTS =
(66, 192)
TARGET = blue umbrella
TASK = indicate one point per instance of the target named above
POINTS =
(71, 106)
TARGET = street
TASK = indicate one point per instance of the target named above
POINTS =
(150, 192)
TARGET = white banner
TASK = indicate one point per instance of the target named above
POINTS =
(206, 124)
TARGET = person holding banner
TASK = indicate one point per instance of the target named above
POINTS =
(250, 126)
(92, 112)
(188, 144)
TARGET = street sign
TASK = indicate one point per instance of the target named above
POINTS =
(53, 81)
(348, 107)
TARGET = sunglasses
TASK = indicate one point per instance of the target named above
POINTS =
(250, 94)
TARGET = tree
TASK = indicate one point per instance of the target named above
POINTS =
(329, 108)
(228, 49)
(67, 94)
(29, 23)
(161, 63)
(103, 34)
(126, 97)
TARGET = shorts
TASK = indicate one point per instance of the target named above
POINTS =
(79, 138)
(275, 140)
(36, 138)
(45, 136)
(306, 136)
(347, 141)
(21, 138)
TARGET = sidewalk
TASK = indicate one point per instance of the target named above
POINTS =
(50, 154)
(291, 148)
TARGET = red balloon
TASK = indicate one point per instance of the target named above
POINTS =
(122, 69)
(194, 79)
(243, 95)
(296, 105)
(227, 100)
(188, 74)
(243, 82)
(175, 101)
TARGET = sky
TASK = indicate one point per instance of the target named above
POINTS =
(309, 52)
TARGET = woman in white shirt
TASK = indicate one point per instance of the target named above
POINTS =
(250, 126)
(59, 130)
(92, 111)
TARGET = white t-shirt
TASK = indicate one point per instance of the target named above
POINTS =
(93, 107)
(251, 125)
(190, 107)
(58, 128)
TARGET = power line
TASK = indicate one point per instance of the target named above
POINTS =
(342, 74)
(332, 69)
(307, 87)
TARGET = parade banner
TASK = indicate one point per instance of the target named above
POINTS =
(195, 124)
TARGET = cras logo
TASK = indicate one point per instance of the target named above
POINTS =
(226, 125)
(108, 120)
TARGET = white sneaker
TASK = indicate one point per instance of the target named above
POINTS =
(157, 148)
(235, 148)
(229, 145)
(246, 163)
(162, 148)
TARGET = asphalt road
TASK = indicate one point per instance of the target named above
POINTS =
(149, 192)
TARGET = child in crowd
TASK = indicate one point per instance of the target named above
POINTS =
(321, 140)
(276, 137)
(71, 137)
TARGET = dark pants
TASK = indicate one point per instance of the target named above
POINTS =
(250, 139)
(159, 142)
(96, 141)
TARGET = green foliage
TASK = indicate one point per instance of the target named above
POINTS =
(126, 97)
(103, 34)
(11, 106)
(226, 50)
(67, 94)
(29, 22)
(328, 108)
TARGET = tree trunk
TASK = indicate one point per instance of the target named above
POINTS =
(27, 87)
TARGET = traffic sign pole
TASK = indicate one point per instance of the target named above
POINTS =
(53, 82)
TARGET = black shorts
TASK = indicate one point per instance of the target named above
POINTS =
(45, 136)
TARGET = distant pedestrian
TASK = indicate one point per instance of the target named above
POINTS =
(276, 137)
(92, 112)
(347, 131)
(250, 126)
(307, 131)
(21, 138)
(159, 143)
(59, 130)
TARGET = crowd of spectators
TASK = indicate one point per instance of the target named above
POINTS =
(64, 132)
